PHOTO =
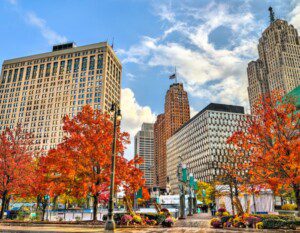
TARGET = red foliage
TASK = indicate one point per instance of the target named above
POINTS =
(16, 163)
(272, 143)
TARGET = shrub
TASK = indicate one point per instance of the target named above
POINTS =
(259, 225)
(216, 223)
(151, 216)
(222, 209)
(214, 220)
(274, 223)
(289, 207)
(137, 219)
(126, 219)
(252, 221)
(161, 217)
(77, 218)
(226, 218)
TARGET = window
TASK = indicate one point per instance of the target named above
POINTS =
(48, 68)
(62, 67)
(100, 61)
(76, 64)
(69, 66)
(92, 62)
(84, 64)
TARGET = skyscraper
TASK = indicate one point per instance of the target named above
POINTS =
(278, 65)
(201, 142)
(144, 147)
(38, 90)
(176, 113)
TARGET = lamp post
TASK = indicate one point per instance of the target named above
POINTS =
(181, 175)
(195, 196)
(110, 223)
(191, 181)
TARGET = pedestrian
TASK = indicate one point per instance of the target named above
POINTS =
(213, 209)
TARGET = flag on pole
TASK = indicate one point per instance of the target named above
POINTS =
(173, 76)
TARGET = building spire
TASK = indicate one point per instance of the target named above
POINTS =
(272, 15)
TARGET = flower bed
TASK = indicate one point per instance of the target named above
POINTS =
(163, 218)
(258, 221)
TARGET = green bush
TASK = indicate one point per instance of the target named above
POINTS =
(160, 218)
(226, 218)
(274, 223)
(273, 216)
(150, 216)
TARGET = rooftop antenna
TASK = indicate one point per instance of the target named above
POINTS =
(174, 76)
(112, 43)
(272, 15)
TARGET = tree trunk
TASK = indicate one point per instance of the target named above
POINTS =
(55, 202)
(44, 206)
(3, 204)
(95, 207)
(297, 195)
(7, 202)
(254, 203)
(38, 202)
(231, 198)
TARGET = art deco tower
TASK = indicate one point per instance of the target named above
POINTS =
(278, 65)
(177, 112)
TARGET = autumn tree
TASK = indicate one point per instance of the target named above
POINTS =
(272, 140)
(15, 164)
(206, 192)
(132, 181)
(81, 164)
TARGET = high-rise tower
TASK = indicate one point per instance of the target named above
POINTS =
(37, 91)
(144, 147)
(278, 65)
(176, 113)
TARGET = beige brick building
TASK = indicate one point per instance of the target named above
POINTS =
(38, 90)
(278, 66)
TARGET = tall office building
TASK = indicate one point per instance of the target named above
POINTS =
(144, 147)
(176, 113)
(38, 90)
(201, 142)
(278, 65)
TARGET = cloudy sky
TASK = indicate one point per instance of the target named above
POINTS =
(210, 43)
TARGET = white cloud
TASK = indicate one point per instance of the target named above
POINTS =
(133, 116)
(193, 112)
(208, 72)
(31, 18)
(50, 35)
(130, 76)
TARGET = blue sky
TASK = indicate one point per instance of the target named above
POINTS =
(210, 43)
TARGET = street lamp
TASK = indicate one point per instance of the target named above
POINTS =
(110, 223)
(191, 182)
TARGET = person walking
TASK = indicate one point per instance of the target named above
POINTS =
(213, 209)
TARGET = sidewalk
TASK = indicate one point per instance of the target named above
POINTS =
(201, 220)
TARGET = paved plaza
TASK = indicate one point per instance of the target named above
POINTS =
(52, 229)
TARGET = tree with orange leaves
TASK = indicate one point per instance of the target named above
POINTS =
(272, 138)
(16, 160)
(132, 181)
(81, 164)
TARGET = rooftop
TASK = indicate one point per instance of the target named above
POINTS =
(216, 107)
(61, 49)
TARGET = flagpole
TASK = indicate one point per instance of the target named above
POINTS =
(175, 75)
